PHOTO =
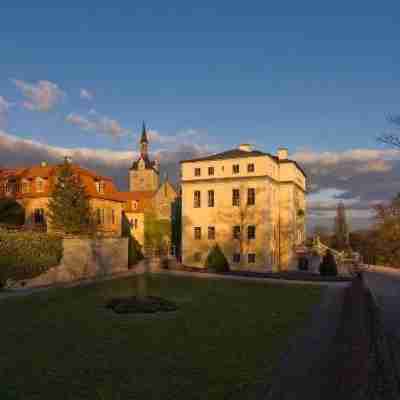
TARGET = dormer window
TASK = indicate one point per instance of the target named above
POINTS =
(100, 185)
(39, 184)
(25, 186)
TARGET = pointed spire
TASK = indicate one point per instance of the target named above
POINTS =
(143, 138)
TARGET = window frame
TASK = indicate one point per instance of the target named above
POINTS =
(197, 232)
(251, 167)
(253, 258)
(236, 199)
(236, 232)
(235, 169)
(211, 199)
(253, 196)
(211, 171)
(196, 201)
(197, 171)
(251, 228)
(236, 257)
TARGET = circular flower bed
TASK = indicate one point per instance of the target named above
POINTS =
(135, 305)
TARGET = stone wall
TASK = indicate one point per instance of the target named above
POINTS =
(86, 258)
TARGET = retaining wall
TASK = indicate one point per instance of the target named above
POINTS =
(86, 258)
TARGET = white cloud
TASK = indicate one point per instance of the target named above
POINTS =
(40, 96)
(86, 95)
(98, 123)
(15, 151)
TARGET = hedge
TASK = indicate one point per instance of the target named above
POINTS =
(24, 255)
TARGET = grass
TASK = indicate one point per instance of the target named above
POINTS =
(225, 337)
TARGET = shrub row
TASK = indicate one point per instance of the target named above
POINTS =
(24, 255)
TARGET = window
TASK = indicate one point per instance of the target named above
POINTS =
(100, 216)
(197, 257)
(197, 172)
(100, 186)
(134, 204)
(251, 258)
(39, 185)
(251, 196)
(236, 197)
(235, 168)
(236, 232)
(25, 187)
(211, 198)
(8, 187)
(236, 257)
(197, 232)
(210, 170)
(38, 216)
(250, 168)
(251, 232)
(211, 233)
(2, 188)
(196, 199)
(113, 217)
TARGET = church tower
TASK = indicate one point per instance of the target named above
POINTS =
(144, 174)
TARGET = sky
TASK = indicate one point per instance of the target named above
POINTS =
(320, 79)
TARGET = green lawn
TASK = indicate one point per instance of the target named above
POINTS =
(226, 337)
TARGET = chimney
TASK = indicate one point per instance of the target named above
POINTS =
(245, 147)
(43, 164)
(282, 153)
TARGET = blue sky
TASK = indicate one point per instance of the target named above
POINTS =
(310, 75)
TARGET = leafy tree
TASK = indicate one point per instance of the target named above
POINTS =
(328, 265)
(341, 238)
(176, 226)
(157, 232)
(11, 212)
(388, 231)
(69, 209)
(216, 260)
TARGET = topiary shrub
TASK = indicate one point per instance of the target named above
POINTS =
(216, 260)
(24, 255)
(328, 265)
(302, 264)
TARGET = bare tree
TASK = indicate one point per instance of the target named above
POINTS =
(392, 138)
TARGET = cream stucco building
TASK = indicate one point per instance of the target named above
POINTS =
(252, 204)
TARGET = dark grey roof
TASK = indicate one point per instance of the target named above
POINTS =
(237, 153)
(234, 153)
(148, 164)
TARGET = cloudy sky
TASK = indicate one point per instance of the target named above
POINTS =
(318, 78)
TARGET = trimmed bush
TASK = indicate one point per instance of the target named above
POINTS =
(24, 255)
(216, 260)
(328, 265)
(134, 251)
(302, 264)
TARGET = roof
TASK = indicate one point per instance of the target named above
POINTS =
(143, 138)
(142, 198)
(48, 172)
(148, 164)
(238, 153)
(225, 155)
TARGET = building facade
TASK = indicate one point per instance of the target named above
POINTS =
(115, 211)
(31, 187)
(250, 203)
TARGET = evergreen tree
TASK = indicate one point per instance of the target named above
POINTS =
(341, 239)
(69, 209)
